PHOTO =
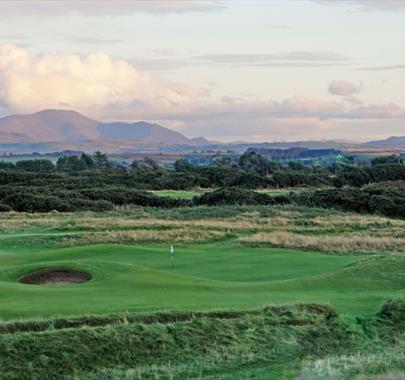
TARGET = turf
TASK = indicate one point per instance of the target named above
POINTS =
(208, 276)
(180, 194)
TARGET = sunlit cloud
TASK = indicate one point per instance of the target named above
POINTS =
(342, 88)
(89, 84)
(110, 89)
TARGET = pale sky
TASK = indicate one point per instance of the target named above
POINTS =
(228, 70)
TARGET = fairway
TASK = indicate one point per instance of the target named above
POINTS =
(206, 277)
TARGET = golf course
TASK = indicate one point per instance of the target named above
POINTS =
(205, 277)
(259, 292)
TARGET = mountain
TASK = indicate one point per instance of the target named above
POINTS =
(203, 141)
(48, 125)
(142, 131)
(63, 126)
(391, 142)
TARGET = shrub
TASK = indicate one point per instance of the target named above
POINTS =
(235, 196)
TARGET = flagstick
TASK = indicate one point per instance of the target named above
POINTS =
(172, 255)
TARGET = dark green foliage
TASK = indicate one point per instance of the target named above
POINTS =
(282, 179)
(182, 165)
(39, 165)
(101, 160)
(393, 159)
(382, 199)
(394, 312)
(252, 161)
(235, 196)
(6, 165)
(4, 208)
(358, 177)
(122, 196)
(74, 163)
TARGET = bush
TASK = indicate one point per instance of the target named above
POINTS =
(122, 196)
(235, 196)
(4, 208)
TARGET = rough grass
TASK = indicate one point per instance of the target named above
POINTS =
(202, 346)
(383, 364)
(328, 243)
(174, 235)
(312, 228)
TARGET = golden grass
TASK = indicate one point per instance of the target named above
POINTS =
(283, 226)
(136, 236)
(353, 243)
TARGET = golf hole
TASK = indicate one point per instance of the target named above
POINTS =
(56, 276)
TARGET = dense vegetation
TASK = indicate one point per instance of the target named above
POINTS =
(94, 183)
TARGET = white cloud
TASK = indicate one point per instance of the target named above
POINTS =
(104, 7)
(342, 88)
(370, 5)
(110, 89)
(89, 84)
(286, 59)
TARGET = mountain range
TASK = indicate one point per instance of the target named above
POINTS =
(64, 126)
(50, 130)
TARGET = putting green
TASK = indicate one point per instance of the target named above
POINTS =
(210, 276)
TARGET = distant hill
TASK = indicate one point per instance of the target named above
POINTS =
(63, 126)
(141, 131)
(391, 142)
(48, 125)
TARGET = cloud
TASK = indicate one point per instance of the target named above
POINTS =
(342, 88)
(293, 59)
(384, 68)
(112, 89)
(295, 118)
(287, 59)
(104, 7)
(89, 84)
(381, 5)
(97, 40)
(377, 111)
(370, 5)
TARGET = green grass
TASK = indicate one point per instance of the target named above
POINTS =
(139, 319)
(267, 343)
(180, 194)
(206, 277)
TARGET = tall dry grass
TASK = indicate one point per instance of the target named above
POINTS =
(136, 236)
(354, 243)
(280, 226)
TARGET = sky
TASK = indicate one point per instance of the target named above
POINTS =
(227, 70)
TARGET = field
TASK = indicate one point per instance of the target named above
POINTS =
(229, 263)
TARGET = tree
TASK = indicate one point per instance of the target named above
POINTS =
(101, 160)
(393, 159)
(70, 163)
(252, 161)
(39, 165)
(182, 165)
(88, 160)
(134, 165)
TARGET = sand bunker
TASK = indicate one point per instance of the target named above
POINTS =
(56, 276)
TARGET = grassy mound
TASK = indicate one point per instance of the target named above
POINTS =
(184, 345)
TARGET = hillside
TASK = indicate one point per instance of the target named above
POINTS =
(64, 126)
(397, 142)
